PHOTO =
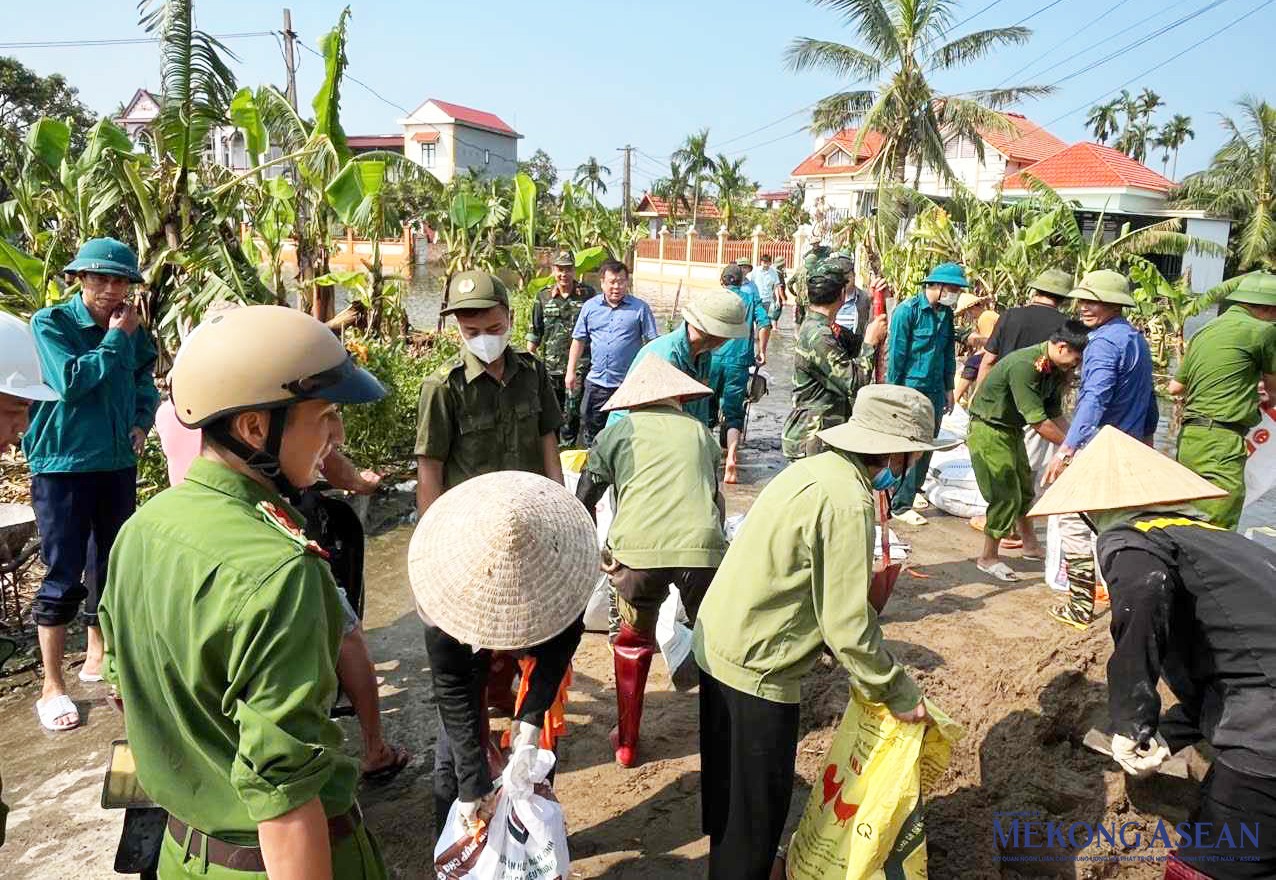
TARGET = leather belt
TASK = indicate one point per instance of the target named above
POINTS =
(249, 858)
(1198, 422)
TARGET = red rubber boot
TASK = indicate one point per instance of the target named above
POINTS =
(632, 653)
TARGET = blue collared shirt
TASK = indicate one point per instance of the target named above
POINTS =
(614, 336)
(765, 280)
(1116, 385)
(107, 384)
(675, 347)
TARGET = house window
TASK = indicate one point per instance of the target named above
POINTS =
(837, 157)
(427, 155)
(487, 157)
(952, 148)
(967, 149)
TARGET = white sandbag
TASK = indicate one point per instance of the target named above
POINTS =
(526, 838)
(899, 549)
(673, 635)
(956, 423)
(957, 474)
(598, 609)
(956, 501)
(1260, 470)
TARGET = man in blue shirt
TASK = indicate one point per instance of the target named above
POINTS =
(767, 280)
(615, 324)
(730, 366)
(1116, 389)
(923, 356)
(82, 451)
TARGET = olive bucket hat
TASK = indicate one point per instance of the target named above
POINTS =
(719, 313)
(1104, 286)
(886, 419)
(1054, 282)
(106, 256)
(475, 290)
(947, 273)
(1256, 289)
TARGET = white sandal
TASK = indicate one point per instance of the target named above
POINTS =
(1000, 571)
(54, 708)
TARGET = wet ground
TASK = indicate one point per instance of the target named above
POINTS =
(1024, 689)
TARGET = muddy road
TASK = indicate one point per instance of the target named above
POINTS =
(1024, 689)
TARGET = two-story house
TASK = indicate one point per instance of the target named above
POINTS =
(447, 139)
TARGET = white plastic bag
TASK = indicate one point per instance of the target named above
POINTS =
(598, 609)
(526, 838)
(1260, 470)
(1067, 536)
(673, 635)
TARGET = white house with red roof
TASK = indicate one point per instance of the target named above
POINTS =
(446, 138)
(1106, 184)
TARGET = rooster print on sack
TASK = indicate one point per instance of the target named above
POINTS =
(833, 793)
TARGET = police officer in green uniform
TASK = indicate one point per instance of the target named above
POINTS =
(222, 622)
(1219, 379)
(825, 376)
(550, 336)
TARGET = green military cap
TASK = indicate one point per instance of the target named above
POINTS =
(837, 265)
(565, 259)
(1104, 286)
(475, 290)
(1256, 288)
(1055, 282)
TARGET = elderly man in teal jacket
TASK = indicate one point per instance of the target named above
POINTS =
(923, 356)
(82, 451)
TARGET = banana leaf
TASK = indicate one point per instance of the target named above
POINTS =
(48, 141)
(467, 211)
(589, 259)
(354, 188)
(327, 102)
(246, 116)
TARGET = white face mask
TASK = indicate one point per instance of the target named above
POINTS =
(488, 348)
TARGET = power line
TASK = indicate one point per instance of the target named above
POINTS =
(1158, 66)
(1068, 39)
(126, 41)
(1139, 42)
(1030, 17)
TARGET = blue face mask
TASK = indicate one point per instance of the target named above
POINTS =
(885, 479)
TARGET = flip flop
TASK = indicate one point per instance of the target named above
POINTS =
(89, 678)
(1000, 571)
(53, 709)
(382, 775)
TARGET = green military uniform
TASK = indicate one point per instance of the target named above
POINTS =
(553, 319)
(475, 424)
(222, 626)
(1019, 391)
(825, 379)
(1221, 370)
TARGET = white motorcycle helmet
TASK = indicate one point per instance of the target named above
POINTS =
(20, 374)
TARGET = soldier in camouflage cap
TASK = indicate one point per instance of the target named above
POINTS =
(797, 283)
(550, 337)
(825, 376)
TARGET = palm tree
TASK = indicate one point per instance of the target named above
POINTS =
(590, 173)
(913, 119)
(1174, 134)
(729, 179)
(1147, 103)
(1103, 120)
(1134, 140)
(693, 155)
(1241, 183)
(673, 189)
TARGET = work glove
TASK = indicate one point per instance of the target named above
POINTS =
(524, 746)
(1140, 760)
(476, 813)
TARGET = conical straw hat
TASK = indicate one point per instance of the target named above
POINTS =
(504, 561)
(1115, 471)
(653, 378)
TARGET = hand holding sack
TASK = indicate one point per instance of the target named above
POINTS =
(526, 837)
(863, 820)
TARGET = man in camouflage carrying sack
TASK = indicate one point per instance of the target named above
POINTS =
(825, 376)
(550, 337)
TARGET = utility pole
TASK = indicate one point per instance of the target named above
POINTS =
(624, 208)
(290, 57)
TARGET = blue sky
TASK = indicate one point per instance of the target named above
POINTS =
(582, 78)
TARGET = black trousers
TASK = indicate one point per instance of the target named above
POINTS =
(747, 749)
(592, 417)
(1232, 798)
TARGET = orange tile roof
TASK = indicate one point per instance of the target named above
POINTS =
(1031, 143)
(426, 137)
(651, 205)
(1090, 166)
(813, 165)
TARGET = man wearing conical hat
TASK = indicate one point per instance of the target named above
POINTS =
(1218, 380)
(1193, 605)
(709, 319)
(1115, 389)
(794, 583)
(667, 530)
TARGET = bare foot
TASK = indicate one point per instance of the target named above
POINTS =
(731, 472)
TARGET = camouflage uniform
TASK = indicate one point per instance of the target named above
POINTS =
(825, 380)
(796, 287)
(553, 319)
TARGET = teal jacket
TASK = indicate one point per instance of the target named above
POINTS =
(739, 352)
(675, 347)
(922, 349)
(106, 381)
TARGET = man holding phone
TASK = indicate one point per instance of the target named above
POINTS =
(82, 451)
